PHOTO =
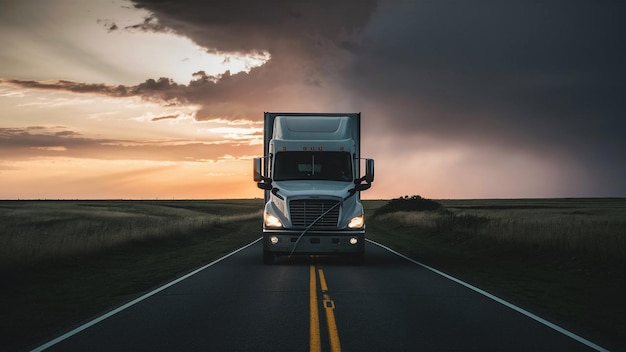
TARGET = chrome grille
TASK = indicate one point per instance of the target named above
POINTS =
(305, 211)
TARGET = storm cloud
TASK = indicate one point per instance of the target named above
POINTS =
(545, 79)
(536, 89)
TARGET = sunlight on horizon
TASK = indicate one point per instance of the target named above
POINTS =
(176, 57)
(107, 42)
(68, 178)
(163, 53)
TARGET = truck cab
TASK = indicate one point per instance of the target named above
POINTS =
(311, 177)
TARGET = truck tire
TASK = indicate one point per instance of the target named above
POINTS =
(268, 257)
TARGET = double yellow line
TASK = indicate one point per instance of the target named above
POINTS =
(329, 307)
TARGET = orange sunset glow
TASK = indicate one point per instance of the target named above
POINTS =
(165, 100)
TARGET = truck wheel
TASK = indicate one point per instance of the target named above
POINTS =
(268, 257)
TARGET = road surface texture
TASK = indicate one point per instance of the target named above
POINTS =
(316, 304)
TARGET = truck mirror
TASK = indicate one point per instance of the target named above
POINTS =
(369, 170)
(258, 176)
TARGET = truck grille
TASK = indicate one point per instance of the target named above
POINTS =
(305, 211)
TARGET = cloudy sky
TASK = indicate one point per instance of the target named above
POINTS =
(459, 99)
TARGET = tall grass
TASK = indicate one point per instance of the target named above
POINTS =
(32, 231)
(594, 231)
(561, 258)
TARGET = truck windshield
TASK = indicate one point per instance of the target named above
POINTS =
(332, 166)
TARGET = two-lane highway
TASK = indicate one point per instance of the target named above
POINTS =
(316, 304)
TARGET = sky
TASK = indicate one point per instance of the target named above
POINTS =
(164, 99)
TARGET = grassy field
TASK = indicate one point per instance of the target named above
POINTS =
(62, 262)
(39, 230)
(560, 258)
(592, 228)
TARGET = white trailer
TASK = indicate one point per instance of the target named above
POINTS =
(311, 175)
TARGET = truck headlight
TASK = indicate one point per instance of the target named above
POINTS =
(271, 221)
(357, 222)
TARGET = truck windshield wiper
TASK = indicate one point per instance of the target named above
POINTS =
(295, 245)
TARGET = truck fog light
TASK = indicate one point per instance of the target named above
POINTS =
(354, 240)
(274, 239)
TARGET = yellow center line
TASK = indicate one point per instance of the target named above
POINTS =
(314, 330)
(322, 280)
(329, 307)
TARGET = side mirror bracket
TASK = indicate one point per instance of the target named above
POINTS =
(266, 184)
(362, 186)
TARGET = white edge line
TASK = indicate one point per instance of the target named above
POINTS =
(135, 301)
(499, 300)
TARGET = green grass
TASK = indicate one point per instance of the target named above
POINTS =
(45, 294)
(39, 230)
(562, 259)
(592, 228)
(64, 262)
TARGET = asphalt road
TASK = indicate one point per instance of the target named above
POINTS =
(316, 304)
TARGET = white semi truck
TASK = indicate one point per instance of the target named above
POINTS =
(311, 174)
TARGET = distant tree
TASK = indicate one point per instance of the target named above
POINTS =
(406, 203)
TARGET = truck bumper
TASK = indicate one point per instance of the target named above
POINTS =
(314, 242)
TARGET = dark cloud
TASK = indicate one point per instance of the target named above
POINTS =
(302, 37)
(249, 26)
(168, 117)
(163, 89)
(109, 24)
(66, 134)
(40, 141)
(545, 77)
(304, 40)
(527, 59)
(68, 86)
(149, 24)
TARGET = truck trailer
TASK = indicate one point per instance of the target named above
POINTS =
(311, 174)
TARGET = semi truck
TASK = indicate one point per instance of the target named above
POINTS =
(312, 175)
